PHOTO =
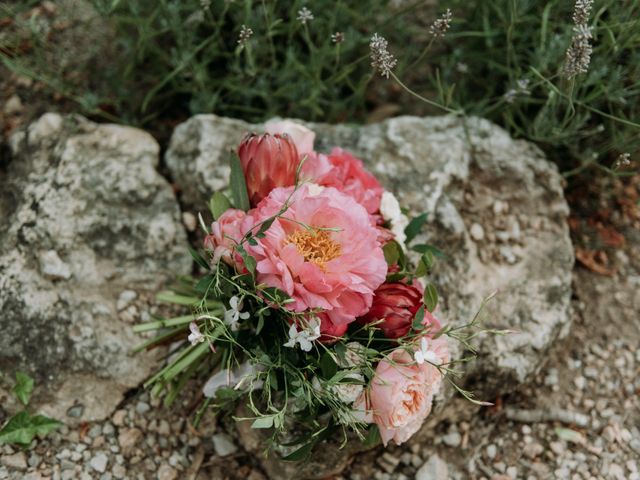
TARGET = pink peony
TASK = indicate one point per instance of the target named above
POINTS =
(349, 176)
(226, 233)
(401, 392)
(322, 251)
(302, 137)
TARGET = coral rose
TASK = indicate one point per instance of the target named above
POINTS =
(323, 251)
(400, 395)
(349, 176)
(396, 304)
(268, 161)
(225, 234)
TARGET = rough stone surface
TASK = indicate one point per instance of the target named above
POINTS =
(86, 216)
(468, 175)
(434, 469)
(463, 180)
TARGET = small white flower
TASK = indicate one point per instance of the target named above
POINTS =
(390, 211)
(245, 35)
(304, 337)
(337, 37)
(381, 59)
(425, 355)
(195, 336)
(233, 314)
(304, 15)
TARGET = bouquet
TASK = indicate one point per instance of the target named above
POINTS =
(308, 312)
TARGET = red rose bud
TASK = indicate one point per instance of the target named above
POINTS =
(268, 161)
(396, 305)
(330, 332)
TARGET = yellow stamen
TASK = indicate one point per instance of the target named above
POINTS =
(315, 246)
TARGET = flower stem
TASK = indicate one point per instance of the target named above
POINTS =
(425, 100)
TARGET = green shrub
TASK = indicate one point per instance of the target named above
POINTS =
(501, 59)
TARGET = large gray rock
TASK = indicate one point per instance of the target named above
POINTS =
(89, 230)
(496, 208)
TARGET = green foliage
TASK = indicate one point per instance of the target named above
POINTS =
(493, 44)
(172, 58)
(238, 184)
(23, 387)
(169, 59)
(218, 204)
(23, 427)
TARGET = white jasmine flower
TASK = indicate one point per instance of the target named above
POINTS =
(425, 355)
(390, 211)
(233, 315)
(304, 337)
(195, 336)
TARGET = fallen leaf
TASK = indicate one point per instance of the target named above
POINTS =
(595, 260)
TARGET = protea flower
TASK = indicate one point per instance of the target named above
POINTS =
(396, 304)
(268, 161)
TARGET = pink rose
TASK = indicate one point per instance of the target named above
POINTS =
(323, 251)
(225, 234)
(302, 137)
(401, 392)
(349, 176)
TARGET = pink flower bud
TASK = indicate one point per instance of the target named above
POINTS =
(268, 161)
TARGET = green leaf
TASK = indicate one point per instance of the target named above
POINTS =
(250, 263)
(392, 252)
(204, 284)
(22, 428)
(260, 325)
(23, 387)
(199, 259)
(218, 204)
(414, 227)
(263, 422)
(418, 319)
(328, 365)
(430, 297)
(341, 352)
(238, 184)
(373, 436)
(425, 264)
(424, 248)
(303, 453)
